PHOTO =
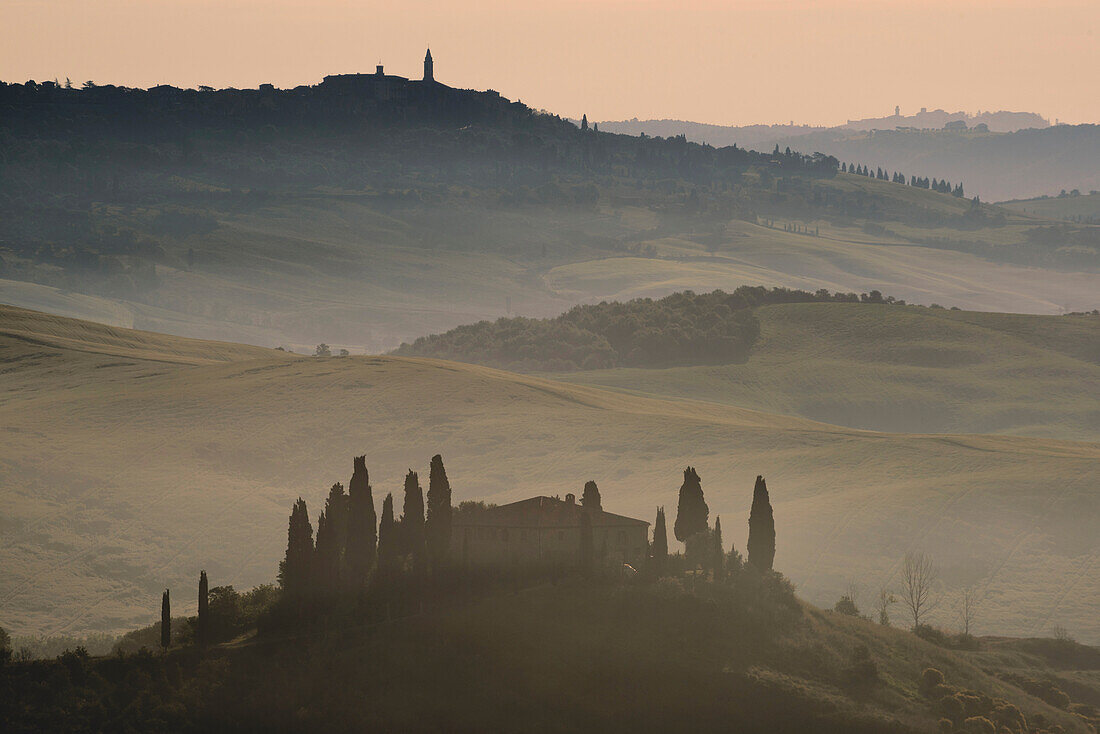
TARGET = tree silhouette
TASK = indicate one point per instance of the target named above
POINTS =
(719, 552)
(204, 610)
(412, 520)
(362, 534)
(660, 541)
(165, 621)
(325, 554)
(295, 571)
(590, 499)
(388, 549)
(437, 525)
(691, 509)
(761, 545)
(918, 577)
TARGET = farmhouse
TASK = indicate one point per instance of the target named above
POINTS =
(545, 531)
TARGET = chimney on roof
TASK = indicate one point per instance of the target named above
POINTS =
(570, 499)
(378, 70)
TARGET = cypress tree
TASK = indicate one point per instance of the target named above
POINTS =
(295, 571)
(362, 534)
(326, 555)
(165, 621)
(586, 544)
(590, 499)
(660, 541)
(204, 610)
(719, 552)
(387, 535)
(691, 510)
(412, 520)
(761, 545)
(437, 526)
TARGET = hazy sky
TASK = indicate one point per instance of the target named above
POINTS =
(734, 62)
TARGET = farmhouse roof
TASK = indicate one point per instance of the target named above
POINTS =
(542, 512)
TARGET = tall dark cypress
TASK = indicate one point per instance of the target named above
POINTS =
(719, 553)
(761, 545)
(388, 549)
(437, 526)
(660, 541)
(590, 499)
(204, 610)
(337, 508)
(326, 555)
(412, 521)
(296, 569)
(691, 510)
(165, 621)
(362, 530)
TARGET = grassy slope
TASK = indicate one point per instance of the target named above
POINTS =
(345, 269)
(121, 474)
(1085, 206)
(903, 369)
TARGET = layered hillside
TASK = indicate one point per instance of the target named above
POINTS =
(124, 469)
(321, 214)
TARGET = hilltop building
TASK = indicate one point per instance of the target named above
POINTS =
(545, 531)
(383, 86)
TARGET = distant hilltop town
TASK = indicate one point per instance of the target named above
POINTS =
(350, 97)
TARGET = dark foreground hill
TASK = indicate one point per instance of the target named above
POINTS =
(571, 657)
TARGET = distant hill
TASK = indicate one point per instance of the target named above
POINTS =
(998, 122)
(863, 364)
(902, 369)
(365, 209)
(997, 155)
(125, 469)
(765, 137)
(1073, 206)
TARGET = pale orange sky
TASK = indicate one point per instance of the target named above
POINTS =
(722, 62)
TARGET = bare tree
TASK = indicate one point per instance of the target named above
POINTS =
(918, 576)
(882, 605)
(968, 605)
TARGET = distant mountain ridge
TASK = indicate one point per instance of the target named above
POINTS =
(1000, 155)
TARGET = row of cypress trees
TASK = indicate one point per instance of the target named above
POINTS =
(703, 545)
(352, 543)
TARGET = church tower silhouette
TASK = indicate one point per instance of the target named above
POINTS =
(429, 76)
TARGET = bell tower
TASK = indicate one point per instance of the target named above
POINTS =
(429, 76)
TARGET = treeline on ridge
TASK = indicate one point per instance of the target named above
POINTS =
(684, 328)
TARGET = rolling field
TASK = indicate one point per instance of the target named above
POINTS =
(131, 460)
(1085, 207)
(902, 369)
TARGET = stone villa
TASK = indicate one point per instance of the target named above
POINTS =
(545, 531)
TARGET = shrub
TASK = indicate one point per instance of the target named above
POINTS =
(952, 707)
(930, 678)
(980, 725)
(931, 634)
(946, 726)
(846, 605)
